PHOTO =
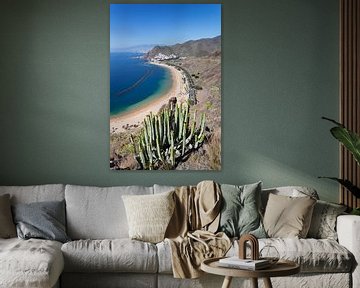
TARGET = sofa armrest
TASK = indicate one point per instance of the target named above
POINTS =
(348, 230)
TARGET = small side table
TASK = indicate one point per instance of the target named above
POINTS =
(281, 268)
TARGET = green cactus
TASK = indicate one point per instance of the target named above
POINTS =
(172, 153)
(168, 137)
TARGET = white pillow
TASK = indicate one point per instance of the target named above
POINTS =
(149, 215)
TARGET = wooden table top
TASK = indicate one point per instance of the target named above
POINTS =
(281, 268)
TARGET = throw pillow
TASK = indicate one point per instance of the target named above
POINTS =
(44, 220)
(323, 222)
(149, 215)
(288, 217)
(240, 210)
(291, 191)
(7, 227)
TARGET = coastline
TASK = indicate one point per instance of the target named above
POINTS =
(137, 115)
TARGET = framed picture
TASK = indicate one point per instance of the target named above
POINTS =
(165, 86)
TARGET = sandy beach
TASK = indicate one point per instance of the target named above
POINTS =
(136, 116)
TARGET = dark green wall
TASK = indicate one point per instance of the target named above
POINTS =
(280, 75)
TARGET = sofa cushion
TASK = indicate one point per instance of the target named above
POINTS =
(291, 191)
(7, 226)
(109, 280)
(30, 263)
(287, 216)
(98, 213)
(163, 188)
(323, 222)
(149, 215)
(164, 257)
(36, 193)
(117, 255)
(43, 220)
(313, 255)
(240, 210)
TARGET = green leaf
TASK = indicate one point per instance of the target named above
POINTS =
(333, 121)
(347, 184)
(355, 211)
(348, 138)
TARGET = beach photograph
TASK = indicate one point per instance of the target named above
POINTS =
(165, 86)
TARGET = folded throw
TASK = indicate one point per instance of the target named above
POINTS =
(191, 231)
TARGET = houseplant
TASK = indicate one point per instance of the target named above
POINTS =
(351, 142)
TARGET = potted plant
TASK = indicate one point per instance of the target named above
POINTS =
(351, 141)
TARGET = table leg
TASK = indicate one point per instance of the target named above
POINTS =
(267, 283)
(254, 282)
(227, 282)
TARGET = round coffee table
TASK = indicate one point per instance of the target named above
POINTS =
(281, 268)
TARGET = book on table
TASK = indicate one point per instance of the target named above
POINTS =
(236, 262)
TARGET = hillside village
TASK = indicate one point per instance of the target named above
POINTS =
(173, 60)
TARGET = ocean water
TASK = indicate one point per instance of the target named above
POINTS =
(134, 82)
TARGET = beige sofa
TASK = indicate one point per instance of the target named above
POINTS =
(101, 254)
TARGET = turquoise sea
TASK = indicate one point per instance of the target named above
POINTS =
(134, 81)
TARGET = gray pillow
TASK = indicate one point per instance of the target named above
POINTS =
(323, 222)
(240, 210)
(7, 227)
(44, 220)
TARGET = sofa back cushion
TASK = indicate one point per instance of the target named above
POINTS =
(98, 213)
(148, 216)
(288, 217)
(7, 226)
(42, 220)
(291, 191)
(240, 210)
(323, 221)
(36, 193)
(163, 188)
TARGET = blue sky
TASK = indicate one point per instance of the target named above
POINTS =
(164, 24)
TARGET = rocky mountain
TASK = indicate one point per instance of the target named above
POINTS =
(195, 48)
(136, 49)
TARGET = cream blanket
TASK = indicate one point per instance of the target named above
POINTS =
(191, 231)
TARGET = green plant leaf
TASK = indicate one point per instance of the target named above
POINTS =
(348, 138)
(355, 211)
(347, 184)
(333, 121)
